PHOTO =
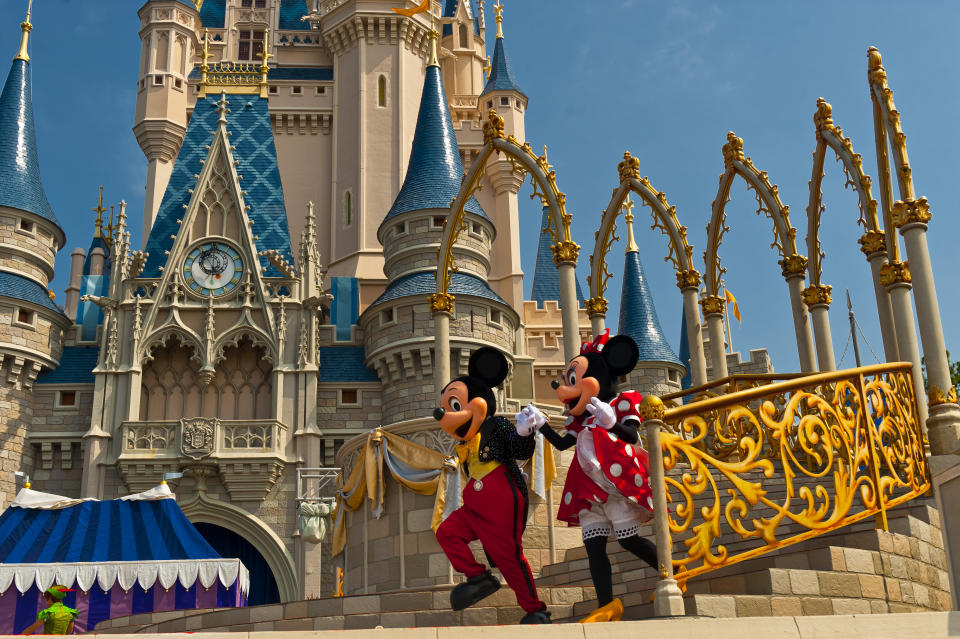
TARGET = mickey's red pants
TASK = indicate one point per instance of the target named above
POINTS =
(493, 511)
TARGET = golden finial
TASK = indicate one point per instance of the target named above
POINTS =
(26, 485)
(25, 28)
(264, 69)
(110, 227)
(627, 208)
(486, 71)
(434, 60)
(99, 210)
(498, 11)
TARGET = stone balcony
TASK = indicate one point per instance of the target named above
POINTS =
(248, 454)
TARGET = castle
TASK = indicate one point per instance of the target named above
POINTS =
(302, 157)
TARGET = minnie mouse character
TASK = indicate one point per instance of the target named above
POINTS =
(607, 489)
(494, 506)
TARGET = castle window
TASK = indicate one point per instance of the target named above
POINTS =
(674, 376)
(386, 317)
(382, 91)
(464, 37)
(321, 90)
(476, 229)
(273, 90)
(348, 208)
(251, 45)
(349, 397)
(158, 80)
(504, 101)
(250, 4)
(495, 316)
(178, 83)
(66, 399)
(297, 90)
(27, 226)
(26, 317)
(490, 104)
(439, 221)
(400, 228)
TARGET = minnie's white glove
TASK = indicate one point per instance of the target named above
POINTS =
(603, 414)
(529, 419)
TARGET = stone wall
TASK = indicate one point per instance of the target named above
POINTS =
(36, 245)
(16, 413)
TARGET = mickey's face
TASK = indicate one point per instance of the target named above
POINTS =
(576, 388)
(459, 416)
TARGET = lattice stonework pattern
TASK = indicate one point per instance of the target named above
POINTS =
(846, 445)
(151, 437)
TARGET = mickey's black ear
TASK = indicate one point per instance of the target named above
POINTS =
(488, 365)
(620, 354)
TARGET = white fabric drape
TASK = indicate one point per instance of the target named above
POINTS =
(28, 498)
(126, 574)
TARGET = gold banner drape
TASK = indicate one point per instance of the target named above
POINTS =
(429, 475)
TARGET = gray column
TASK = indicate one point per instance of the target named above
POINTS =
(818, 301)
(801, 323)
(888, 329)
(569, 308)
(667, 598)
(698, 360)
(441, 349)
(713, 312)
(597, 323)
(897, 279)
(943, 423)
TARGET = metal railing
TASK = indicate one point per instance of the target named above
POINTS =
(211, 437)
(769, 466)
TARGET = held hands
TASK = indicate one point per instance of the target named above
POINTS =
(529, 419)
(602, 413)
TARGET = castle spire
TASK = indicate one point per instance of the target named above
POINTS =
(99, 210)
(546, 277)
(434, 58)
(501, 77)
(435, 171)
(25, 28)
(628, 217)
(638, 315)
(19, 166)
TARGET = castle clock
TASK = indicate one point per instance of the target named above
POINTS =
(213, 267)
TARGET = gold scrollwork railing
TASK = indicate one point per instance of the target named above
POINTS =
(774, 465)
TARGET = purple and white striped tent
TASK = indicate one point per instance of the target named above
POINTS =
(124, 556)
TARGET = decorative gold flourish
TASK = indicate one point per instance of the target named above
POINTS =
(712, 305)
(910, 212)
(793, 266)
(493, 127)
(652, 408)
(817, 294)
(895, 273)
(441, 303)
(873, 242)
(565, 252)
(875, 70)
(937, 396)
(815, 453)
(234, 77)
(596, 306)
(629, 168)
(732, 150)
(823, 119)
(688, 279)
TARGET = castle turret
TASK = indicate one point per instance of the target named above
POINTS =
(397, 326)
(658, 370)
(464, 60)
(31, 325)
(169, 34)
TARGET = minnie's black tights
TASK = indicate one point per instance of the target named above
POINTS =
(600, 569)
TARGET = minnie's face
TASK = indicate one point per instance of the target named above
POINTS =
(459, 416)
(576, 389)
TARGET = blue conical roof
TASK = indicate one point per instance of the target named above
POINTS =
(501, 73)
(20, 184)
(435, 172)
(638, 316)
(687, 380)
(546, 278)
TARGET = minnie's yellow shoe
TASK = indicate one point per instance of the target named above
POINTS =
(613, 611)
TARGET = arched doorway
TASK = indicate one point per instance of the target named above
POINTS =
(263, 585)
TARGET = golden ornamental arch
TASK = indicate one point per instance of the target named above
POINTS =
(680, 252)
(544, 183)
(768, 203)
(831, 136)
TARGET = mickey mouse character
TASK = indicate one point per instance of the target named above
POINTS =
(494, 506)
(607, 488)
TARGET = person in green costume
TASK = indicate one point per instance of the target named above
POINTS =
(56, 618)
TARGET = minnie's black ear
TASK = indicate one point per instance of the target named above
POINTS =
(488, 365)
(620, 354)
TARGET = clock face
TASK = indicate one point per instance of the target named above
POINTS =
(213, 267)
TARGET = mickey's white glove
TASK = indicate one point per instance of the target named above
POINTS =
(529, 419)
(602, 412)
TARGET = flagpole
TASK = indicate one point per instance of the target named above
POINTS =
(726, 317)
(853, 330)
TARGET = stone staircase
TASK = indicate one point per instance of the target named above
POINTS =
(855, 570)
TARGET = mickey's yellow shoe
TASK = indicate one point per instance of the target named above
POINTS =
(613, 611)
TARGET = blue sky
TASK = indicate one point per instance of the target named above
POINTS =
(665, 80)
